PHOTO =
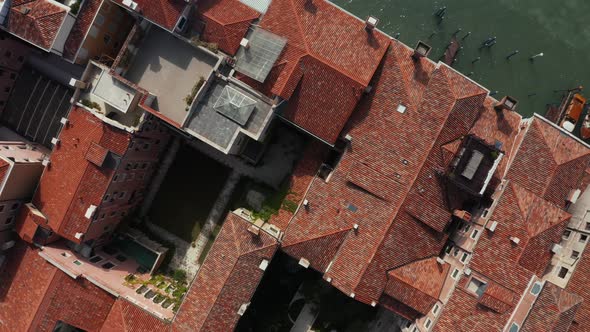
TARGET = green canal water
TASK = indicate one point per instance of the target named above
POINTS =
(558, 29)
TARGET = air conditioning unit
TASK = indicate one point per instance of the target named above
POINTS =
(79, 235)
(491, 226)
(373, 303)
(355, 227)
(329, 279)
(352, 295)
(55, 141)
(254, 230)
(573, 196)
(304, 262)
(263, 265)
(90, 211)
(515, 240)
(64, 121)
(556, 248)
(245, 43)
(243, 308)
(348, 138)
(467, 271)
(46, 162)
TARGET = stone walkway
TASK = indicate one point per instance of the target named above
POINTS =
(185, 256)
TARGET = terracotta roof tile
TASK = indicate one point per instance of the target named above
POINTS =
(127, 317)
(325, 46)
(554, 310)
(226, 22)
(164, 13)
(36, 21)
(84, 20)
(227, 279)
(578, 284)
(22, 287)
(497, 298)
(27, 221)
(418, 284)
(72, 183)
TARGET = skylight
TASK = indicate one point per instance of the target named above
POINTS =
(235, 105)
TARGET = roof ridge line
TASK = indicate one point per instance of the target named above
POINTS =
(413, 180)
(318, 237)
(298, 22)
(45, 290)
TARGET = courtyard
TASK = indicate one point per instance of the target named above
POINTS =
(169, 68)
(188, 193)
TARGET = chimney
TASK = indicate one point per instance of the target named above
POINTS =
(245, 43)
(421, 50)
(371, 23)
(463, 215)
(506, 103)
(254, 230)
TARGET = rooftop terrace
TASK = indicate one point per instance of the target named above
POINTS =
(169, 68)
(226, 110)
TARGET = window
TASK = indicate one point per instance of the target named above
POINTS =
(514, 328)
(583, 238)
(122, 195)
(106, 198)
(146, 146)
(435, 309)
(467, 228)
(464, 257)
(128, 167)
(536, 289)
(575, 254)
(562, 272)
(474, 234)
(116, 178)
(106, 39)
(428, 323)
(476, 286)
(93, 32)
(455, 274)
(99, 20)
(144, 166)
(8, 220)
(1, 208)
(112, 214)
(77, 262)
(14, 206)
(566, 234)
(588, 226)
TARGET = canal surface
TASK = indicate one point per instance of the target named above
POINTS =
(558, 29)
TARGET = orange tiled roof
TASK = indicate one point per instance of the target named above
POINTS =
(164, 13)
(329, 59)
(36, 21)
(72, 182)
(226, 22)
(554, 310)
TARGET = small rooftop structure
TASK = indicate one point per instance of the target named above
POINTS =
(227, 111)
(259, 56)
(113, 91)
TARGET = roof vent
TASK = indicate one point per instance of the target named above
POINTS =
(421, 50)
(306, 204)
(352, 295)
(515, 240)
(64, 121)
(243, 308)
(90, 211)
(55, 141)
(131, 4)
(263, 265)
(467, 271)
(573, 196)
(329, 279)
(373, 303)
(348, 138)
(304, 262)
(46, 162)
(556, 248)
(245, 43)
(79, 235)
(508, 103)
(440, 261)
(355, 227)
(371, 23)
(492, 226)
(401, 108)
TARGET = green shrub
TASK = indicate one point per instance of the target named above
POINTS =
(91, 104)
(191, 96)
(75, 8)
(179, 275)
